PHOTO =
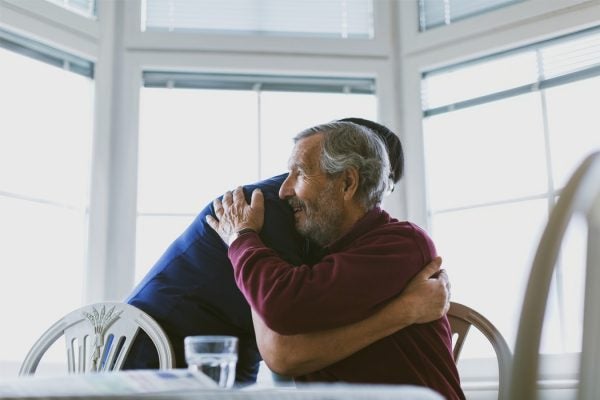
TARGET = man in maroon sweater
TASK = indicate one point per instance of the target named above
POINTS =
(338, 175)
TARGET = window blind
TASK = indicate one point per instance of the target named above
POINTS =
(320, 18)
(47, 54)
(258, 82)
(543, 65)
(84, 7)
(434, 13)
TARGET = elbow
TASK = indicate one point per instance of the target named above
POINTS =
(283, 363)
(279, 320)
(284, 370)
(280, 353)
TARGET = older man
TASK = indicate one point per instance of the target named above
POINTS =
(191, 290)
(338, 173)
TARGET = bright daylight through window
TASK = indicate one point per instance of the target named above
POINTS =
(489, 200)
(45, 148)
(435, 13)
(317, 18)
(87, 8)
(178, 148)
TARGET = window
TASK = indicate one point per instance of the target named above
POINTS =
(488, 202)
(435, 13)
(86, 8)
(321, 18)
(197, 141)
(45, 147)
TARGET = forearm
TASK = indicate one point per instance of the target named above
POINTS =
(295, 355)
(425, 299)
(325, 295)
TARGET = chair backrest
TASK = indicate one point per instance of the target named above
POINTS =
(461, 319)
(98, 337)
(581, 195)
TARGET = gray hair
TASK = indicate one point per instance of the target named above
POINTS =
(346, 145)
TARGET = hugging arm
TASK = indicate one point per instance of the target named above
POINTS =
(426, 298)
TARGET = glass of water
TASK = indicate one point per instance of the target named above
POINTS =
(214, 356)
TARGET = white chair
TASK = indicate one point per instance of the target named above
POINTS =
(461, 319)
(98, 337)
(580, 195)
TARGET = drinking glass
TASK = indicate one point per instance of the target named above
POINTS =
(215, 356)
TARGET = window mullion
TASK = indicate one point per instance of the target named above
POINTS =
(257, 89)
(559, 279)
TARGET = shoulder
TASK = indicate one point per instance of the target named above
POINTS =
(269, 187)
(401, 233)
(386, 222)
(419, 236)
(407, 228)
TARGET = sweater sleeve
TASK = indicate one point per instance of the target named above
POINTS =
(342, 288)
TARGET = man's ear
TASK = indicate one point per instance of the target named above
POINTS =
(350, 183)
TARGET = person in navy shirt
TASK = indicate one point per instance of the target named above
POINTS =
(191, 289)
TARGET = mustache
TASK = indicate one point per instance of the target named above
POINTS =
(295, 203)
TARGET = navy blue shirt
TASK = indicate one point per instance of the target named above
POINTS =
(191, 289)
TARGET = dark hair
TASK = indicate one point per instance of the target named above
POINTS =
(392, 144)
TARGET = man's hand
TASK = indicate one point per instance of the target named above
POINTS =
(234, 214)
(428, 293)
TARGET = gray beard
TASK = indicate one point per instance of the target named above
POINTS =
(323, 232)
(324, 227)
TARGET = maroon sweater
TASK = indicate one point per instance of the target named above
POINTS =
(361, 271)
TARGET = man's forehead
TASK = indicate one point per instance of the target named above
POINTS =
(306, 151)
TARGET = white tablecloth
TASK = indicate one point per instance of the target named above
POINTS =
(182, 384)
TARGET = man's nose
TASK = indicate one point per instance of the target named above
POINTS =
(285, 190)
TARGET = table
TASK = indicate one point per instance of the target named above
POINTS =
(184, 385)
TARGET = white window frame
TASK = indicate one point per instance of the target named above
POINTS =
(191, 62)
(56, 27)
(396, 57)
(119, 64)
(49, 21)
(464, 40)
(379, 46)
(115, 260)
(500, 22)
(511, 27)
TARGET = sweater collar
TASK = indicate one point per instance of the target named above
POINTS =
(372, 217)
